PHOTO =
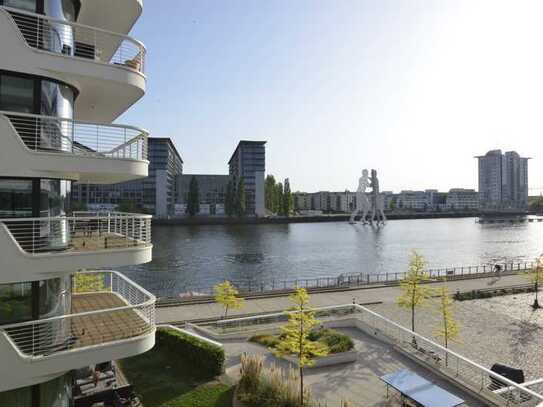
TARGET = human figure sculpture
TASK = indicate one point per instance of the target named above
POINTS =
(362, 202)
(378, 202)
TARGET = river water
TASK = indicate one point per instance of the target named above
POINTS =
(190, 257)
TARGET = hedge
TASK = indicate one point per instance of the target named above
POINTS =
(206, 359)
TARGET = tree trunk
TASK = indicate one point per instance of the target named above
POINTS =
(225, 311)
(536, 302)
(301, 386)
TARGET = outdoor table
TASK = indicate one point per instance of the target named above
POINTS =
(420, 390)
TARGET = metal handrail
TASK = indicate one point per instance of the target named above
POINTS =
(78, 40)
(53, 335)
(401, 335)
(80, 233)
(49, 134)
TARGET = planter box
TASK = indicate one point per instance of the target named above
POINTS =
(330, 360)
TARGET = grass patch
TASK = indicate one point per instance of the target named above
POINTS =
(163, 383)
(336, 341)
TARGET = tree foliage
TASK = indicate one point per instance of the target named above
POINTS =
(240, 199)
(536, 278)
(193, 199)
(227, 295)
(414, 292)
(269, 194)
(229, 199)
(286, 206)
(294, 339)
(449, 328)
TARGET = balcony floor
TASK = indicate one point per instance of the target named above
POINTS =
(106, 327)
(83, 241)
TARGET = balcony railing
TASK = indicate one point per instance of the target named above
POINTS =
(78, 40)
(84, 231)
(48, 133)
(111, 308)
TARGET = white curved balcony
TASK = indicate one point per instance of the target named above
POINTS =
(112, 318)
(103, 65)
(118, 15)
(45, 146)
(47, 247)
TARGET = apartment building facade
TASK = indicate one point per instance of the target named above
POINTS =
(68, 70)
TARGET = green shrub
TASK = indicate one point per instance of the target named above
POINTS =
(206, 359)
(269, 341)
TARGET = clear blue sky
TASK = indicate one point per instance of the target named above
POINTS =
(414, 89)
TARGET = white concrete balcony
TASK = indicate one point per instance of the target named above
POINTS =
(52, 147)
(106, 67)
(111, 318)
(47, 247)
(118, 15)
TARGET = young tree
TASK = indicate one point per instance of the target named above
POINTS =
(269, 193)
(449, 328)
(240, 199)
(193, 199)
(536, 277)
(229, 199)
(227, 295)
(294, 339)
(414, 291)
(287, 198)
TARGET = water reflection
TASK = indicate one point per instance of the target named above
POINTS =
(200, 256)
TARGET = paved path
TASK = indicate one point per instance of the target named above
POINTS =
(357, 382)
(363, 295)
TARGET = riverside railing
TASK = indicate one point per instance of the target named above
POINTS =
(48, 133)
(81, 232)
(135, 316)
(78, 40)
(456, 367)
(345, 281)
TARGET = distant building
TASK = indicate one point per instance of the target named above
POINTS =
(462, 199)
(212, 190)
(248, 162)
(301, 201)
(155, 194)
(503, 180)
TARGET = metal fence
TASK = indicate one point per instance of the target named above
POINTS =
(84, 231)
(78, 40)
(134, 316)
(456, 367)
(171, 291)
(47, 133)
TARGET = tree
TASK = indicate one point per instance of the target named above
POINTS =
(269, 193)
(227, 295)
(193, 199)
(536, 277)
(449, 328)
(413, 290)
(229, 199)
(127, 206)
(294, 338)
(287, 198)
(279, 198)
(240, 202)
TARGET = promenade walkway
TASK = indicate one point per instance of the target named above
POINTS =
(385, 294)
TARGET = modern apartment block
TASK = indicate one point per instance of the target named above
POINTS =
(68, 70)
(248, 162)
(155, 194)
(462, 198)
(503, 180)
(211, 188)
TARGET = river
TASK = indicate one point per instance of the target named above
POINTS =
(189, 257)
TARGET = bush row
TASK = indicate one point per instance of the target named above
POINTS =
(206, 359)
(476, 294)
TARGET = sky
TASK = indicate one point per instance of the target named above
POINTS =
(412, 88)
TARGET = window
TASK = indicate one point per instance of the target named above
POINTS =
(16, 94)
(27, 5)
(15, 304)
(15, 198)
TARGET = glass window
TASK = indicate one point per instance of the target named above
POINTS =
(21, 397)
(15, 198)
(16, 94)
(27, 5)
(57, 392)
(15, 305)
(54, 297)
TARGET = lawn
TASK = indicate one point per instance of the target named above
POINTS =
(161, 384)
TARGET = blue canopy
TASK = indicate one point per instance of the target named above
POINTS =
(421, 390)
